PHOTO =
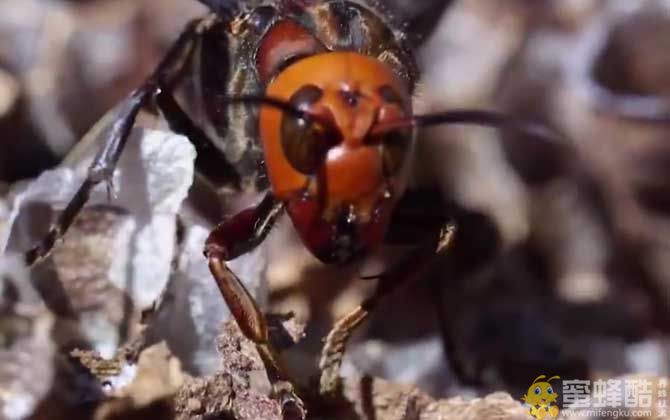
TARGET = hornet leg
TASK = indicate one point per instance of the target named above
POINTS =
(412, 266)
(236, 236)
(167, 73)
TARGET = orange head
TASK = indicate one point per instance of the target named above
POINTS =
(337, 174)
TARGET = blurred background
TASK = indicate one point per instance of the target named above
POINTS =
(562, 260)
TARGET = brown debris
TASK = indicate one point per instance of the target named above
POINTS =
(214, 397)
(96, 364)
(199, 397)
(499, 406)
(374, 398)
(157, 379)
(158, 376)
(240, 390)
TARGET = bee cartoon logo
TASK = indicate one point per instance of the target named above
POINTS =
(541, 398)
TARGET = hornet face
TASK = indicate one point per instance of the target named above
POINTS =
(339, 177)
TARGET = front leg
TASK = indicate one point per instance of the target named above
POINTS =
(410, 267)
(167, 74)
(236, 236)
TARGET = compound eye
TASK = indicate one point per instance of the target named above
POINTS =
(389, 95)
(550, 390)
(305, 142)
(538, 391)
(396, 149)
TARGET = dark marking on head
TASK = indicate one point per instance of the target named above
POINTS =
(306, 96)
(396, 148)
(389, 95)
(306, 143)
